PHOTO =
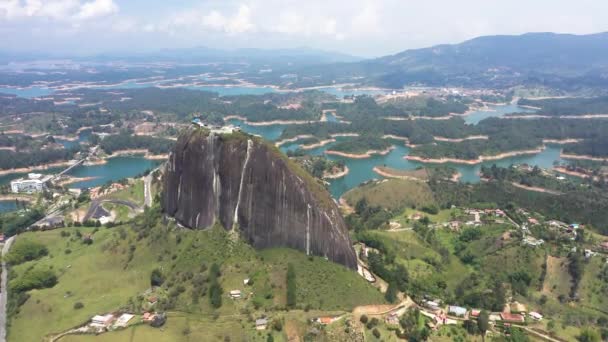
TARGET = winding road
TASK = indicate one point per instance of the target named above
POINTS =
(3, 289)
(95, 205)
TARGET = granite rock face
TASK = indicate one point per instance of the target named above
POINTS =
(245, 184)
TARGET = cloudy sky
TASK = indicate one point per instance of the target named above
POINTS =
(359, 27)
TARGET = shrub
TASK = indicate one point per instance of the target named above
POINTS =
(34, 279)
(26, 250)
(78, 305)
(277, 325)
(363, 319)
(156, 278)
(376, 332)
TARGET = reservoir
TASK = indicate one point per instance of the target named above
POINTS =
(361, 170)
(8, 205)
(114, 169)
(494, 111)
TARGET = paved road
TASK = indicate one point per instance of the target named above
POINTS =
(97, 203)
(147, 190)
(3, 289)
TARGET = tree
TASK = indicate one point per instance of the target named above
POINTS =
(470, 326)
(589, 335)
(391, 293)
(156, 278)
(215, 294)
(483, 323)
(376, 332)
(291, 286)
(361, 206)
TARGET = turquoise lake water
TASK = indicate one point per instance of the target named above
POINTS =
(6, 206)
(361, 170)
(115, 169)
(495, 111)
(27, 92)
(83, 136)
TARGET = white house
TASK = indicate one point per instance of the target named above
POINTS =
(34, 183)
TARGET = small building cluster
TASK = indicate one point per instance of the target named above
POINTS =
(227, 129)
(34, 182)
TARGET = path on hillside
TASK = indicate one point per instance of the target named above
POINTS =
(147, 190)
(537, 189)
(96, 204)
(4, 289)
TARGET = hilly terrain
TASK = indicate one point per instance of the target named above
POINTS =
(494, 61)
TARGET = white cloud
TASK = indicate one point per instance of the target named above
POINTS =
(62, 10)
(96, 8)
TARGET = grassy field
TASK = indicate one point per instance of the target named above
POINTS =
(557, 281)
(134, 192)
(94, 275)
(392, 194)
(186, 328)
(444, 215)
(412, 252)
(114, 272)
(592, 289)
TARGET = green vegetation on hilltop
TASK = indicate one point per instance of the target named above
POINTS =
(429, 106)
(389, 194)
(12, 160)
(473, 149)
(88, 273)
(569, 105)
(12, 223)
(582, 205)
(127, 141)
(530, 178)
(596, 147)
(26, 250)
(360, 145)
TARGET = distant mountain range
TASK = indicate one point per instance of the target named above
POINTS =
(491, 60)
(558, 61)
(201, 54)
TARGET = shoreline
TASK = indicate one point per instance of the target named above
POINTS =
(138, 151)
(388, 174)
(540, 116)
(73, 180)
(267, 123)
(41, 167)
(396, 137)
(337, 135)
(471, 137)
(536, 189)
(292, 140)
(561, 141)
(479, 160)
(582, 157)
(565, 171)
(337, 175)
(365, 155)
(16, 198)
(319, 144)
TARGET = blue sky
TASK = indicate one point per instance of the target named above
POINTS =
(359, 27)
